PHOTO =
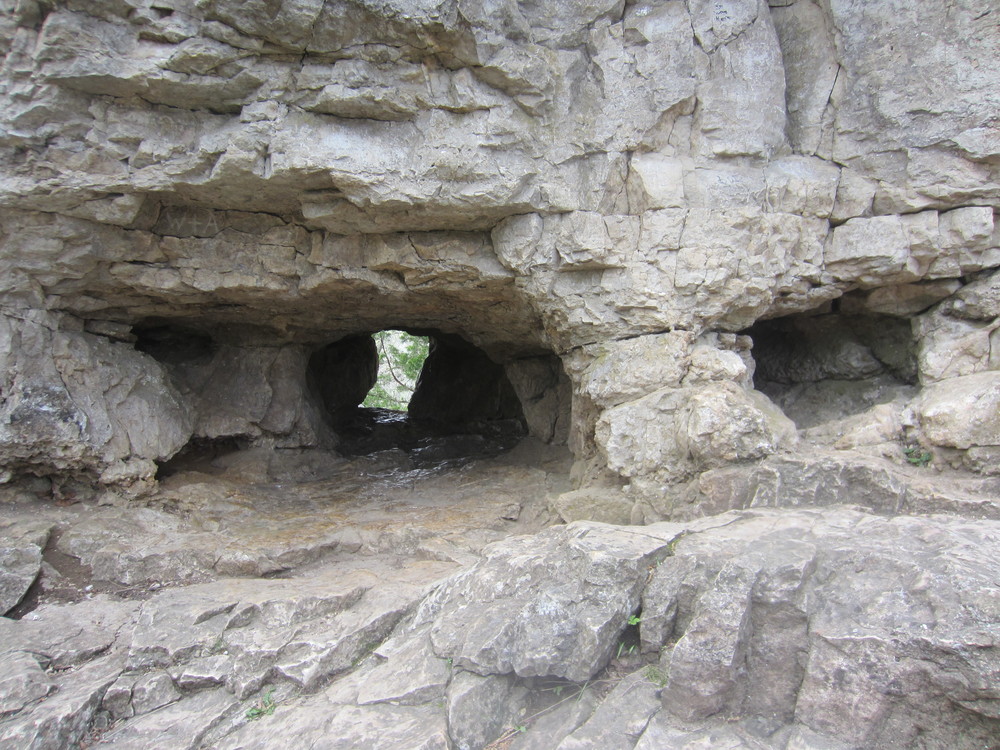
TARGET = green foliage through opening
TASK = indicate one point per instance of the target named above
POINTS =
(400, 359)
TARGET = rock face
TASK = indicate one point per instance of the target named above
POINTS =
(567, 181)
(739, 257)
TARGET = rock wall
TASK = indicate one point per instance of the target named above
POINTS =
(630, 186)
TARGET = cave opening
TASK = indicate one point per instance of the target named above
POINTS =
(430, 394)
(823, 366)
(401, 357)
(425, 395)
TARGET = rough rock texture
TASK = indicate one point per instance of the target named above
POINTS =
(559, 177)
(20, 559)
(763, 629)
(740, 257)
(498, 618)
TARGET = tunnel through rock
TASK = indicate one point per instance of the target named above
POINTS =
(823, 367)
(463, 403)
(244, 391)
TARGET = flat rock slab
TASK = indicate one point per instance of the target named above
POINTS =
(243, 632)
(63, 722)
(22, 682)
(66, 635)
(179, 726)
(827, 478)
(318, 723)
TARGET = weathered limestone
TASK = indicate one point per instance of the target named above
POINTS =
(528, 631)
(20, 560)
(534, 180)
(740, 256)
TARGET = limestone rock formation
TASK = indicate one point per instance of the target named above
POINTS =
(740, 258)
(254, 183)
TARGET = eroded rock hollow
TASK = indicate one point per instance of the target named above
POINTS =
(678, 261)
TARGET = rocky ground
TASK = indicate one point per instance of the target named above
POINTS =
(389, 601)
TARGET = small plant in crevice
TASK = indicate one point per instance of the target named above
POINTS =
(264, 707)
(917, 456)
(625, 649)
(657, 675)
(628, 643)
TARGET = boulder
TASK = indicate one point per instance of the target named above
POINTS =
(961, 412)
(553, 605)
(21, 546)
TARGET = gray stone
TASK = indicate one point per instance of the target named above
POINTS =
(320, 723)
(23, 682)
(961, 412)
(183, 723)
(153, 691)
(197, 200)
(816, 610)
(117, 700)
(707, 662)
(67, 635)
(620, 718)
(191, 622)
(680, 431)
(979, 300)
(952, 347)
(903, 300)
(870, 251)
(606, 505)
(481, 709)
(552, 605)
(824, 478)
(64, 722)
(540, 180)
(552, 726)
(21, 546)
(661, 736)
(411, 675)
(202, 672)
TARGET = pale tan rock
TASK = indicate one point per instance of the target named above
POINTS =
(809, 51)
(802, 186)
(979, 300)
(620, 371)
(603, 504)
(870, 252)
(547, 178)
(903, 300)
(961, 412)
(676, 431)
(950, 347)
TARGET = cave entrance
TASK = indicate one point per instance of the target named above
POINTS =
(823, 367)
(441, 397)
(433, 395)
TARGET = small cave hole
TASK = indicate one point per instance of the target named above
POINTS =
(824, 367)
(199, 454)
(430, 394)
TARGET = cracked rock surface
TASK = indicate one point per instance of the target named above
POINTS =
(705, 450)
